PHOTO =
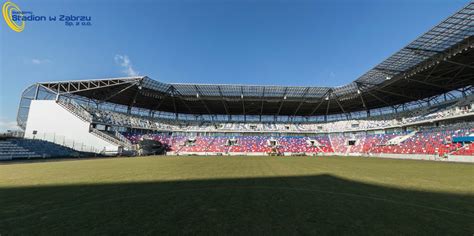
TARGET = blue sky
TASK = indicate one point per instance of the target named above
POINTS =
(319, 43)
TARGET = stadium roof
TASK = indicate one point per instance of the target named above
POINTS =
(439, 61)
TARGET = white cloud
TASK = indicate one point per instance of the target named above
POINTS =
(126, 64)
(7, 125)
(37, 61)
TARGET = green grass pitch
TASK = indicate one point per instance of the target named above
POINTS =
(237, 195)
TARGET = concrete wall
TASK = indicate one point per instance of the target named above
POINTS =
(456, 158)
(431, 157)
(451, 158)
(51, 120)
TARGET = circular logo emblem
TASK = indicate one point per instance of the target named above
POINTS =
(9, 9)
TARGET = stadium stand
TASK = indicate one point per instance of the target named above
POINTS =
(431, 114)
(435, 141)
(186, 137)
(13, 149)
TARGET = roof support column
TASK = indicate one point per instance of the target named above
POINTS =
(57, 94)
(224, 102)
(359, 91)
(261, 106)
(302, 101)
(174, 104)
(243, 103)
(134, 100)
(328, 98)
(36, 92)
(282, 100)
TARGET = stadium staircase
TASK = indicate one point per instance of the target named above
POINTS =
(210, 144)
(15, 149)
(348, 150)
(181, 147)
(123, 139)
(467, 149)
(399, 139)
(80, 112)
(75, 109)
(112, 138)
(317, 145)
(228, 148)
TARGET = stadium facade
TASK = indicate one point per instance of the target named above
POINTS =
(418, 103)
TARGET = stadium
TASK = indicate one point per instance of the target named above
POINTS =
(415, 104)
(225, 158)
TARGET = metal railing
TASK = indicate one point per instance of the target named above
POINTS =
(110, 138)
(75, 108)
(124, 139)
(67, 142)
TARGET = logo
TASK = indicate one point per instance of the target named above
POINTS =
(9, 9)
(16, 18)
